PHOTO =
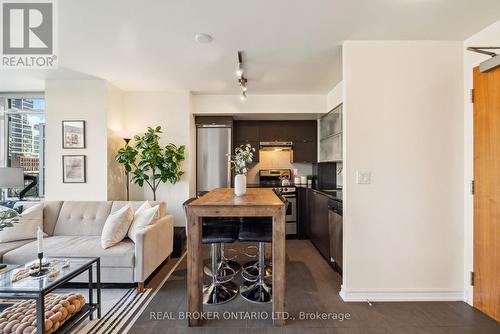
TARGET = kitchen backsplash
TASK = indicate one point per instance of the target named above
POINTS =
(273, 160)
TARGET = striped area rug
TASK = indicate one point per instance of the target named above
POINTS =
(118, 316)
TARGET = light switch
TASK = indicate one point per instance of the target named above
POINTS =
(363, 177)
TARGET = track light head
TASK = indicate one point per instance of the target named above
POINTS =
(239, 71)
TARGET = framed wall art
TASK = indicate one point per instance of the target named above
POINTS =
(73, 134)
(74, 169)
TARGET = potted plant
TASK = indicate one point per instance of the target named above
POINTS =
(8, 217)
(243, 155)
(151, 163)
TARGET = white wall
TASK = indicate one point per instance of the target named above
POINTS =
(117, 188)
(487, 37)
(334, 97)
(259, 104)
(172, 111)
(76, 100)
(403, 122)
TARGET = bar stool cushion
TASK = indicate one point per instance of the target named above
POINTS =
(225, 232)
(256, 231)
(221, 221)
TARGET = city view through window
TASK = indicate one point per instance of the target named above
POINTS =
(23, 144)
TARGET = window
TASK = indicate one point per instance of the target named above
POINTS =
(22, 139)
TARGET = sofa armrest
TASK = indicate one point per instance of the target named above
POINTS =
(153, 246)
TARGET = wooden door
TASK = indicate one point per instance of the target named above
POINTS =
(487, 192)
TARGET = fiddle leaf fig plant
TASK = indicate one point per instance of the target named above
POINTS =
(151, 163)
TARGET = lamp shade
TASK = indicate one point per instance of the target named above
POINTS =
(11, 178)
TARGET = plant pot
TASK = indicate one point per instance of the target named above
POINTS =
(240, 184)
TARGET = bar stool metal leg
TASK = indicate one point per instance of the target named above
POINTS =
(227, 269)
(250, 270)
(217, 292)
(260, 291)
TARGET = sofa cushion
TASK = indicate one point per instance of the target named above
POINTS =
(116, 226)
(50, 213)
(117, 205)
(144, 216)
(82, 218)
(26, 226)
(120, 255)
(8, 246)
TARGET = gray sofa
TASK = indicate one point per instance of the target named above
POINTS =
(74, 229)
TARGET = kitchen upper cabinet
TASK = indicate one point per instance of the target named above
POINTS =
(246, 131)
(305, 151)
(330, 136)
(305, 141)
(303, 134)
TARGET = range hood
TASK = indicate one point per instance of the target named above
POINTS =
(276, 145)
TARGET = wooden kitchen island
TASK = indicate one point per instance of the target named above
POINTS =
(222, 202)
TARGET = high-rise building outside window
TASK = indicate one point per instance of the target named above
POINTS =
(22, 138)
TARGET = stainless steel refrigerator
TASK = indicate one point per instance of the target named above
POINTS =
(213, 152)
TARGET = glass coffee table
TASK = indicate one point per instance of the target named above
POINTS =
(38, 288)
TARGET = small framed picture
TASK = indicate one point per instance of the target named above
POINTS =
(74, 169)
(73, 134)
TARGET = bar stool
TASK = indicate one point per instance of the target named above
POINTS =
(227, 268)
(259, 229)
(219, 292)
(217, 231)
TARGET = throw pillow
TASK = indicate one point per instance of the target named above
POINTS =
(143, 217)
(22, 226)
(116, 226)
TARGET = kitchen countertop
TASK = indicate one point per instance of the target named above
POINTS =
(334, 194)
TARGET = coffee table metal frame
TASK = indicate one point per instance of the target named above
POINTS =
(39, 295)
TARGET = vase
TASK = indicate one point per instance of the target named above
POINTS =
(240, 184)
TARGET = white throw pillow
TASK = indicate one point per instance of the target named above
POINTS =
(116, 226)
(27, 227)
(144, 216)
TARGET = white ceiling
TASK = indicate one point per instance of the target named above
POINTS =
(291, 46)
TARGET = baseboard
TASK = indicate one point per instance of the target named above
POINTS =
(390, 295)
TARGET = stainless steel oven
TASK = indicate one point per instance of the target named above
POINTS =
(291, 207)
(273, 178)
(291, 214)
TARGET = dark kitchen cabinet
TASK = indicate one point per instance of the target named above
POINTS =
(246, 131)
(305, 151)
(214, 120)
(319, 231)
(303, 134)
(303, 196)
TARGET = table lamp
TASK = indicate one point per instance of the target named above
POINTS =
(11, 177)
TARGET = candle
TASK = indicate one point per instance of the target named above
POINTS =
(39, 236)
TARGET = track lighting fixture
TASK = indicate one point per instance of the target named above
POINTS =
(239, 71)
(242, 81)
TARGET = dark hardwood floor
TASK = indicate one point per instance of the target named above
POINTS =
(312, 286)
